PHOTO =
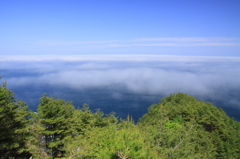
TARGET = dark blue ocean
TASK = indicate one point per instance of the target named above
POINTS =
(110, 99)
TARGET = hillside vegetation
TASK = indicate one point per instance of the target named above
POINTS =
(179, 127)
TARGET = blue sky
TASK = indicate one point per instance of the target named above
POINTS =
(161, 27)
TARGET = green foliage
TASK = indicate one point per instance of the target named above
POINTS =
(54, 119)
(176, 122)
(84, 123)
(180, 126)
(14, 125)
(110, 142)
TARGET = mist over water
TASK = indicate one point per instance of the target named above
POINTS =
(124, 87)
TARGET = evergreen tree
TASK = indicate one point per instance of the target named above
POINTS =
(14, 125)
(84, 125)
(180, 126)
(112, 142)
(54, 118)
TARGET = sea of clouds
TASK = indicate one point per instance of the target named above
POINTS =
(208, 78)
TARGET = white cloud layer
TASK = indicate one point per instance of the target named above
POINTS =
(207, 80)
(120, 57)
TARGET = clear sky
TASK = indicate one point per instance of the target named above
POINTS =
(86, 27)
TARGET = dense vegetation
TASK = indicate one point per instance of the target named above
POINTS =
(179, 126)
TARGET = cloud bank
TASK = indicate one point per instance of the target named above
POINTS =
(211, 80)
